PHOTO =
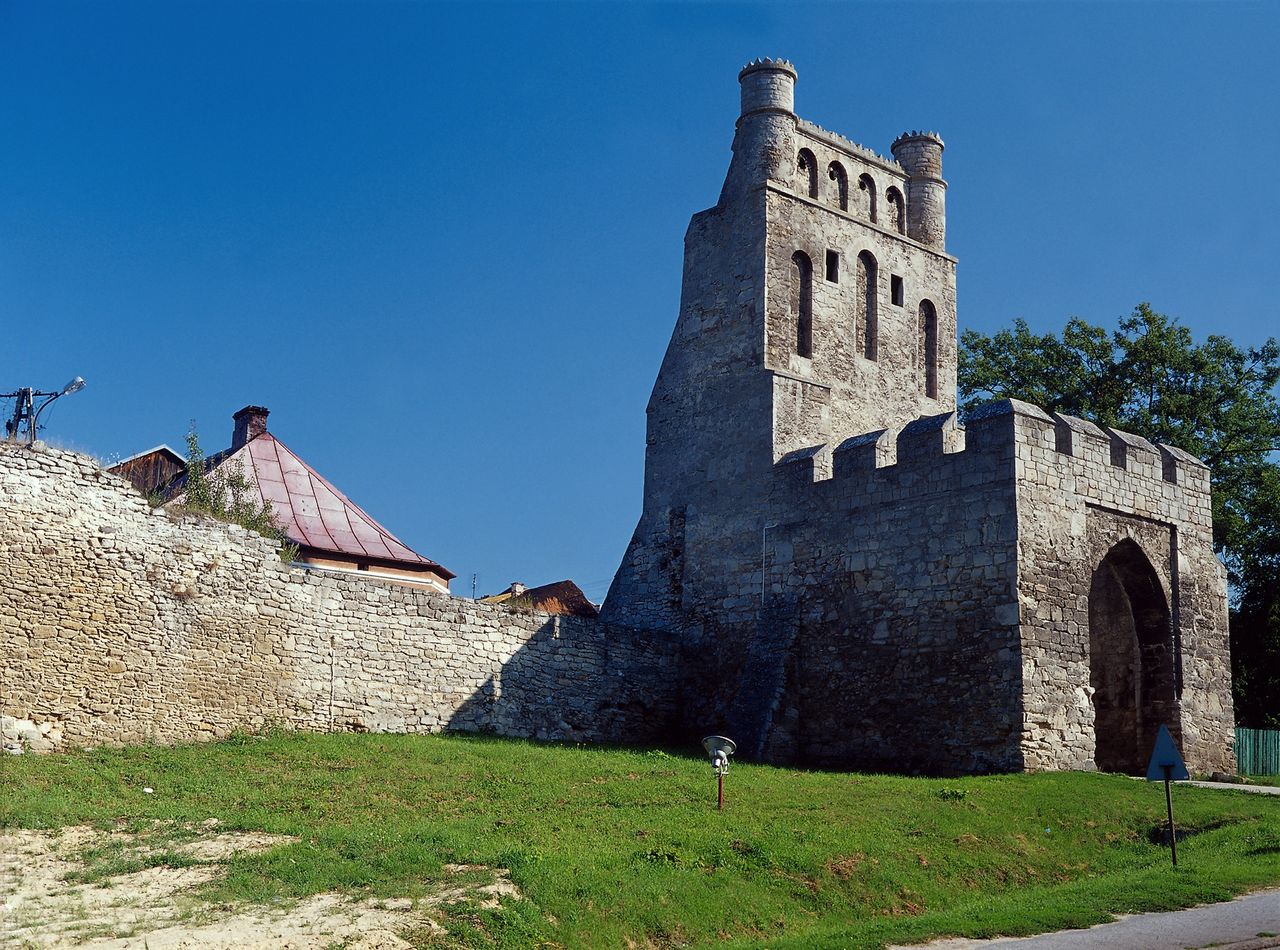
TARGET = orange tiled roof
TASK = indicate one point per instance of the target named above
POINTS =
(562, 597)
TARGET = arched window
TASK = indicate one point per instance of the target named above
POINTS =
(928, 349)
(802, 301)
(867, 316)
(837, 174)
(807, 169)
(867, 197)
(897, 210)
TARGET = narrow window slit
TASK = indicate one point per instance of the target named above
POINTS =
(928, 349)
(867, 316)
(802, 302)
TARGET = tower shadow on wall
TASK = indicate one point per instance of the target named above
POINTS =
(805, 694)
(579, 680)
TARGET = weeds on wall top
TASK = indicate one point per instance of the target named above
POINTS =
(226, 493)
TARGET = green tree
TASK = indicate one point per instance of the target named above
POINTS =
(1212, 399)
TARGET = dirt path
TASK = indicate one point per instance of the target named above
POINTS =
(80, 887)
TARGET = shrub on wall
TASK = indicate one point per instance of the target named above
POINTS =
(225, 492)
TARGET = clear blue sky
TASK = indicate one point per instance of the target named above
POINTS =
(442, 243)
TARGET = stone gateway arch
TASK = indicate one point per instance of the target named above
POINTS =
(1131, 660)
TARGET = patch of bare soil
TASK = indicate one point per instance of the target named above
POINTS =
(75, 888)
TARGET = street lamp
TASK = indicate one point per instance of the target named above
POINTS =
(26, 411)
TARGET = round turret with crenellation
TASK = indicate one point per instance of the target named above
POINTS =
(764, 147)
(920, 155)
(768, 85)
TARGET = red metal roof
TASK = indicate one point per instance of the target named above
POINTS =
(312, 512)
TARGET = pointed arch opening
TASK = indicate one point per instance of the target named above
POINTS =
(867, 312)
(928, 354)
(867, 197)
(897, 209)
(838, 175)
(807, 172)
(1131, 660)
(802, 302)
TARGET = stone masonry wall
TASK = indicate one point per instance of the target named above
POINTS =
(124, 623)
(873, 622)
(837, 392)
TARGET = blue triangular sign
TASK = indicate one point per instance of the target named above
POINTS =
(1165, 755)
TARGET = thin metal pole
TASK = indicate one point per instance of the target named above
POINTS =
(720, 797)
(35, 419)
(1168, 801)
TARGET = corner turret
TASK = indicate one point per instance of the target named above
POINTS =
(768, 85)
(764, 146)
(920, 155)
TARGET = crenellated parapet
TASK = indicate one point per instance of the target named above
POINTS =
(1098, 459)
(846, 144)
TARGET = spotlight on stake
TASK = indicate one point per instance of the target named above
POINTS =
(719, 748)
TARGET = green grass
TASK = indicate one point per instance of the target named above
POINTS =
(1260, 780)
(613, 848)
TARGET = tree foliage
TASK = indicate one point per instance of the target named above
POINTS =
(1212, 399)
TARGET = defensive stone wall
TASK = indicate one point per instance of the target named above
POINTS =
(1000, 530)
(124, 623)
(919, 599)
(864, 610)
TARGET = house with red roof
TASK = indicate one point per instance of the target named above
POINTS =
(331, 531)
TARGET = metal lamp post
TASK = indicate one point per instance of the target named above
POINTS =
(26, 411)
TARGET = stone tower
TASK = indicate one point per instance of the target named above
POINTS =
(817, 304)
(852, 292)
(856, 578)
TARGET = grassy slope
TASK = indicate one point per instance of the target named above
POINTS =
(618, 847)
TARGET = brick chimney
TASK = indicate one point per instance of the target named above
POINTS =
(251, 422)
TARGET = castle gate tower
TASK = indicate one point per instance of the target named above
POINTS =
(859, 579)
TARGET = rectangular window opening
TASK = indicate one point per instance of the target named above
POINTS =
(833, 266)
(895, 288)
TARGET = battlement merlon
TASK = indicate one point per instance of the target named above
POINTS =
(1017, 431)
